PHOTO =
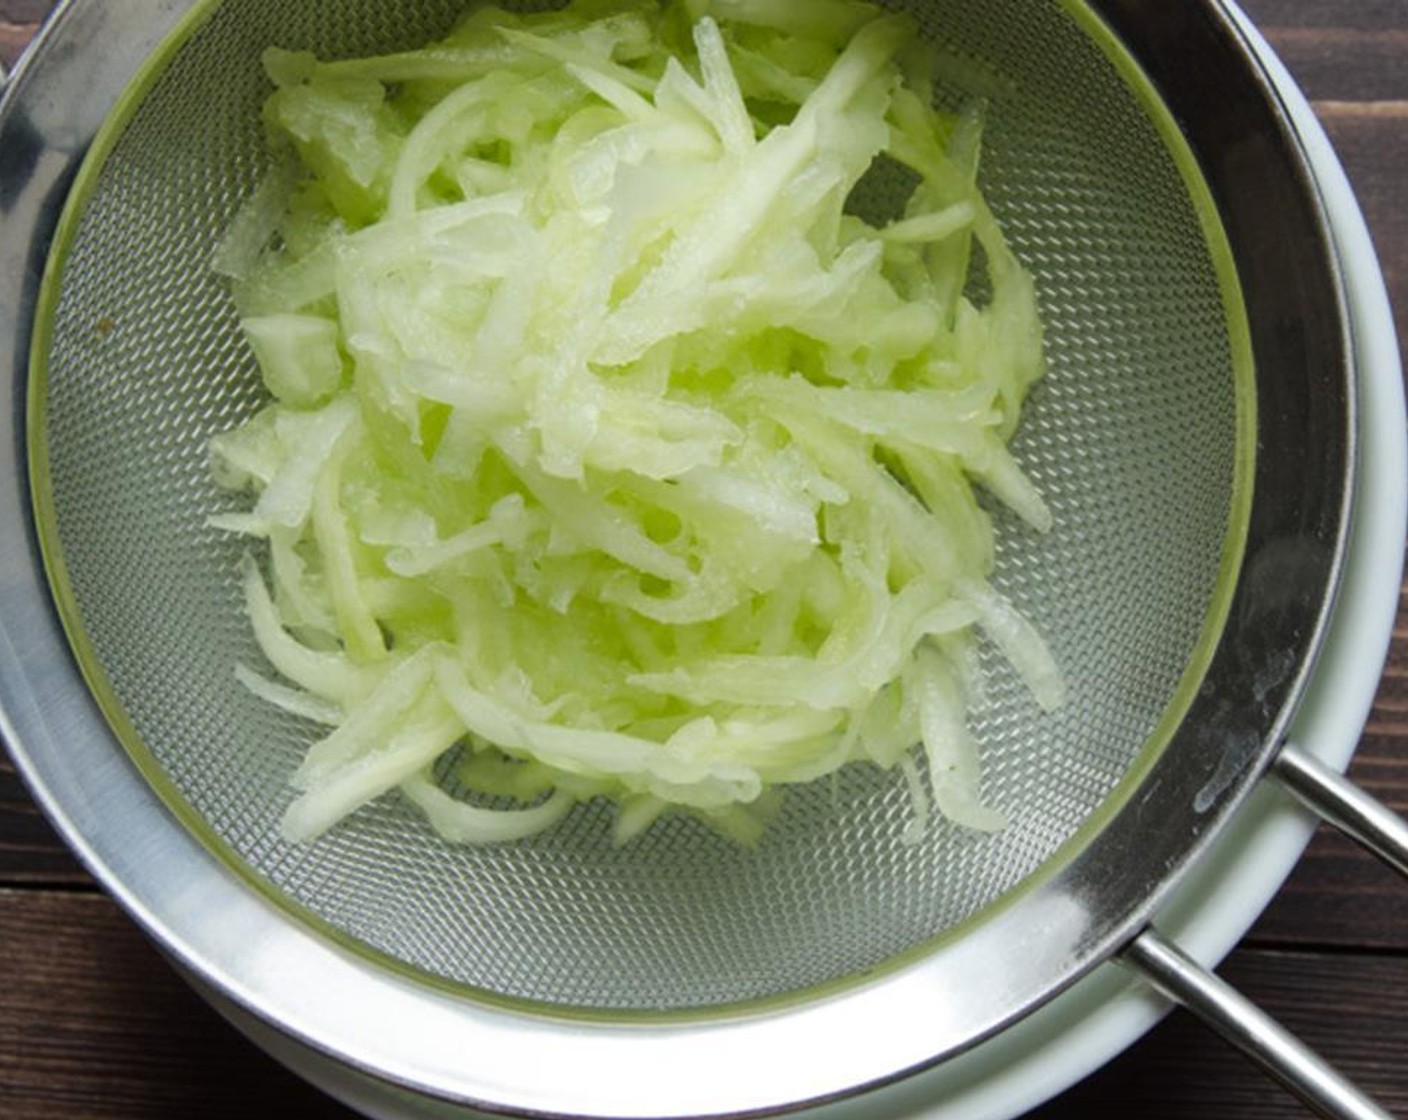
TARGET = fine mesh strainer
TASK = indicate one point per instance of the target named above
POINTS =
(1135, 445)
(1194, 439)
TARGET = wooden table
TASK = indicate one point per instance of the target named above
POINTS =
(94, 1024)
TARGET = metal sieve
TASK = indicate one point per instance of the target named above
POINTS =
(1194, 438)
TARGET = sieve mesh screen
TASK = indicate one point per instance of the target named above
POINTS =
(1132, 439)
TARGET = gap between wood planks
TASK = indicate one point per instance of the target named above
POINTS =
(1363, 110)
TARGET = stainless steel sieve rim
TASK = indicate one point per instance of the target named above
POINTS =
(263, 950)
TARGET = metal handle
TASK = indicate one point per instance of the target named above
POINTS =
(1339, 802)
(1251, 1030)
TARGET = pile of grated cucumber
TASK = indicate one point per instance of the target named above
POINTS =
(610, 452)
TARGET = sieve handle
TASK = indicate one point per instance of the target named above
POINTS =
(1338, 801)
(1243, 1024)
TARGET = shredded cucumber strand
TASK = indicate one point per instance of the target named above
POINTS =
(607, 442)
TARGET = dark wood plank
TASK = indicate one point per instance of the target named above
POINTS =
(1338, 896)
(1351, 1008)
(30, 851)
(1362, 15)
(1372, 143)
(24, 11)
(1345, 63)
(95, 1024)
(1341, 49)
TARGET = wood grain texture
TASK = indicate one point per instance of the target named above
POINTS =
(30, 851)
(1350, 50)
(1326, 15)
(93, 1022)
(24, 11)
(1350, 1008)
(1339, 897)
(1345, 63)
(1373, 146)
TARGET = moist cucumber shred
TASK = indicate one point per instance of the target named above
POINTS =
(609, 452)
